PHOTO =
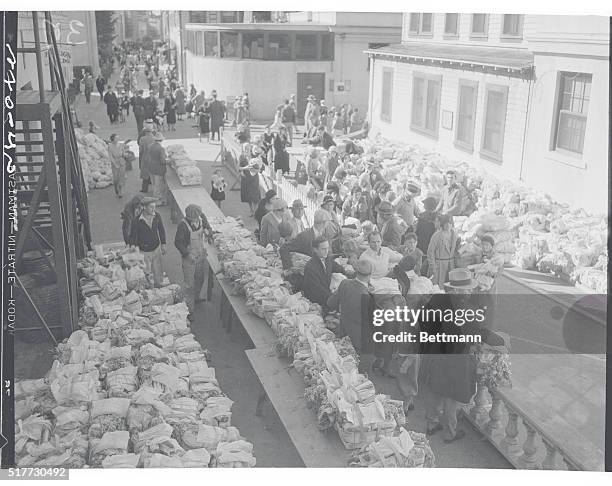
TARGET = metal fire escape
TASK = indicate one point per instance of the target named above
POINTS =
(52, 199)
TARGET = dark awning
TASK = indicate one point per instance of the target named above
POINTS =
(497, 60)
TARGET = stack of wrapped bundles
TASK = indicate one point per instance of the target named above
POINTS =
(131, 388)
(95, 160)
(529, 228)
(186, 170)
(342, 398)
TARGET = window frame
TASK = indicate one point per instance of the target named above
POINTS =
(255, 36)
(554, 145)
(422, 129)
(419, 32)
(519, 35)
(461, 144)
(451, 35)
(238, 50)
(484, 152)
(211, 34)
(386, 116)
(317, 54)
(478, 35)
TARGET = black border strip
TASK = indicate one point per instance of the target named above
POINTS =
(8, 70)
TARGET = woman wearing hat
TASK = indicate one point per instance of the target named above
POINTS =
(441, 250)
(130, 213)
(390, 229)
(116, 152)
(249, 179)
(144, 158)
(264, 206)
(269, 233)
(281, 156)
(179, 96)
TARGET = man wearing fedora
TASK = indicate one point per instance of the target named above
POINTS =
(448, 368)
(390, 228)
(295, 220)
(303, 241)
(149, 235)
(157, 168)
(318, 272)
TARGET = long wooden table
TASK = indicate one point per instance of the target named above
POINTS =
(283, 387)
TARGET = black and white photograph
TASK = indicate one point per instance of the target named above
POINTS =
(305, 239)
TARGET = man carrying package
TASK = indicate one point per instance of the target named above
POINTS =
(189, 241)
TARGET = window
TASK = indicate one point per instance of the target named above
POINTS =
(306, 47)
(421, 24)
(572, 109)
(480, 25)
(229, 44)
(252, 46)
(466, 114)
(386, 96)
(426, 104)
(512, 26)
(211, 44)
(496, 98)
(279, 47)
(451, 25)
(199, 43)
(228, 18)
(327, 47)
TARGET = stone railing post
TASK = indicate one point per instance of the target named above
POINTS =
(495, 414)
(478, 413)
(510, 443)
(529, 460)
(550, 461)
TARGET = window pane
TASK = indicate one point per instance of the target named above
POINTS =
(433, 101)
(253, 46)
(495, 115)
(279, 47)
(229, 45)
(426, 23)
(418, 99)
(571, 132)
(479, 22)
(306, 46)
(511, 24)
(211, 44)
(414, 22)
(327, 47)
(450, 26)
(465, 119)
(228, 17)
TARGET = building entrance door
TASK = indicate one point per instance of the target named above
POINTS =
(309, 84)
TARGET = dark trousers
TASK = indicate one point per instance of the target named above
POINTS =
(145, 184)
(139, 125)
(101, 91)
(87, 95)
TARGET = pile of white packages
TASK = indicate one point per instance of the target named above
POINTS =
(95, 160)
(186, 170)
(132, 387)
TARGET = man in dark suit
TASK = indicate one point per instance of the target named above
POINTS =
(303, 241)
(354, 302)
(318, 272)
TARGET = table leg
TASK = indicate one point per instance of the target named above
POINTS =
(210, 283)
(263, 398)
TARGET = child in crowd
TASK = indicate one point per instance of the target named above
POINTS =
(93, 127)
(217, 192)
(412, 250)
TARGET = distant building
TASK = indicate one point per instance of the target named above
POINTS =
(75, 33)
(298, 53)
(524, 96)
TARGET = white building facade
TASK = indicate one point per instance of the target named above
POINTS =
(509, 93)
